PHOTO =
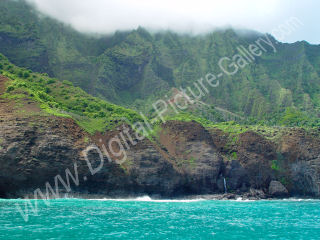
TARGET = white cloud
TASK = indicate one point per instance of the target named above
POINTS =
(107, 16)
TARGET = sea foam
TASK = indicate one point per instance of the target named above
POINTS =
(148, 199)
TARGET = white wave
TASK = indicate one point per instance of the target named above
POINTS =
(240, 199)
(299, 199)
(148, 199)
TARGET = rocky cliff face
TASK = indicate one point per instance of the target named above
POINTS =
(187, 163)
(183, 159)
(193, 152)
(291, 157)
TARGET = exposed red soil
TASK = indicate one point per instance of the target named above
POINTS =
(30, 112)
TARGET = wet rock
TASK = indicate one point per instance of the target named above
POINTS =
(255, 194)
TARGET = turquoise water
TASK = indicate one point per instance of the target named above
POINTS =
(106, 219)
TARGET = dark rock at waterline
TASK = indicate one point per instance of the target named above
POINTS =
(276, 189)
(237, 177)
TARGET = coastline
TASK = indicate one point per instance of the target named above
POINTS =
(248, 196)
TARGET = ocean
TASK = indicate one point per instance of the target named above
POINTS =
(144, 218)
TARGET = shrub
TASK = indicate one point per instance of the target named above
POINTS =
(66, 82)
(84, 104)
(101, 114)
(22, 85)
(10, 88)
(110, 108)
(275, 165)
(51, 81)
(43, 96)
(26, 74)
(48, 90)
(94, 107)
(234, 156)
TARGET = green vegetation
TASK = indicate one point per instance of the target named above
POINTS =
(232, 128)
(191, 162)
(91, 113)
(285, 181)
(234, 156)
(294, 117)
(188, 117)
(136, 68)
(275, 165)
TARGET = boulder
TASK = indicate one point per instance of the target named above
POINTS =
(276, 189)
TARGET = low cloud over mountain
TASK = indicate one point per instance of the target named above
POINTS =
(108, 16)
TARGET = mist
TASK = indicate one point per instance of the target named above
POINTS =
(194, 17)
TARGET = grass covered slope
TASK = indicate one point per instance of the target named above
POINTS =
(61, 98)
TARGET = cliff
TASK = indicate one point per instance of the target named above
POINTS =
(180, 159)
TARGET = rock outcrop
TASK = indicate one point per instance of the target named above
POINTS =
(276, 189)
(183, 161)
(193, 152)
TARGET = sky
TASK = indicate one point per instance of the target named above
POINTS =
(287, 20)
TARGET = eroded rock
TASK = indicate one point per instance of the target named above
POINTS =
(277, 189)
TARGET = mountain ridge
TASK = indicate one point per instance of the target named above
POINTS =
(136, 68)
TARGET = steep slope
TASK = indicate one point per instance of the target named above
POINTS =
(136, 68)
(45, 132)
(44, 45)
